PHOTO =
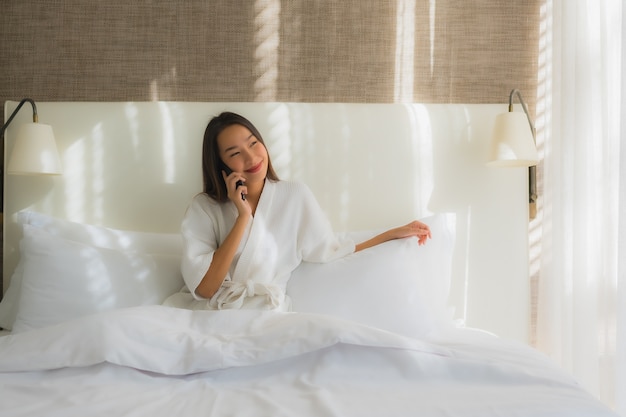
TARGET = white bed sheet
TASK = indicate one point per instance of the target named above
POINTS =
(158, 361)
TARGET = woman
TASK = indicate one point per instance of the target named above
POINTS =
(246, 233)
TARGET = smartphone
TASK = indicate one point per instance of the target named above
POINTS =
(238, 183)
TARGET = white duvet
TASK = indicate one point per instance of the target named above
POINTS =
(160, 361)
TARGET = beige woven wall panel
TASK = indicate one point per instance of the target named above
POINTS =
(470, 51)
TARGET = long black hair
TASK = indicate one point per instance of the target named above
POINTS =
(212, 164)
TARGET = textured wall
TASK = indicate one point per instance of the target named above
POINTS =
(471, 51)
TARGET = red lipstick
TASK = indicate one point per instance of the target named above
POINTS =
(255, 168)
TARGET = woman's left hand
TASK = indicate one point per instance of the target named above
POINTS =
(415, 228)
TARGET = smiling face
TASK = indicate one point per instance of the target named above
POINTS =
(233, 132)
(242, 152)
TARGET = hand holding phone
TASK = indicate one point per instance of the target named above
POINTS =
(238, 184)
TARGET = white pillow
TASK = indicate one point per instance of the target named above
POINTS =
(104, 237)
(101, 237)
(398, 286)
(64, 279)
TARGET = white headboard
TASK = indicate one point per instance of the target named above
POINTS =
(135, 165)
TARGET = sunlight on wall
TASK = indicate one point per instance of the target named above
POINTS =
(542, 124)
(278, 139)
(168, 144)
(466, 270)
(132, 113)
(297, 139)
(431, 17)
(266, 41)
(74, 168)
(405, 51)
(422, 147)
(163, 87)
(347, 144)
(97, 172)
(84, 169)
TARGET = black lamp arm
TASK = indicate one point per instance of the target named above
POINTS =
(19, 106)
(525, 107)
(532, 170)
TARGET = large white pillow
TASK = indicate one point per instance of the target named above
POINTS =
(97, 236)
(104, 237)
(397, 286)
(64, 279)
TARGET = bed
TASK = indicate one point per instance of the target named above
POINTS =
(91, 256)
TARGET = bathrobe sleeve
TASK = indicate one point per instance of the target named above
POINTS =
(203, 225)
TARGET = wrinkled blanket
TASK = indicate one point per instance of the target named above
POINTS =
(162, 361)
(174, 341)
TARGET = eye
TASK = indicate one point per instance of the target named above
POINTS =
(254, 142)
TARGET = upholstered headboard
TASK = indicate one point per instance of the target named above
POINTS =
(135, 165)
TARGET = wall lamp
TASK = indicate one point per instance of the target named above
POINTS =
(35, 150)
(514, 145)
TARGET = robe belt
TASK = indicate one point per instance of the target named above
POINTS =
(232, 294)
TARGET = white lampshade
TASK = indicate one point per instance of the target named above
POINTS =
(35, 151)
(513, 144)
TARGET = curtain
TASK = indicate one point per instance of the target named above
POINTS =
(580, 317)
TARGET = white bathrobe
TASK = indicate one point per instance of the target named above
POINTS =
(288, 227)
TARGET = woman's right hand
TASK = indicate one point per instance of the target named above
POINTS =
(236, 194)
